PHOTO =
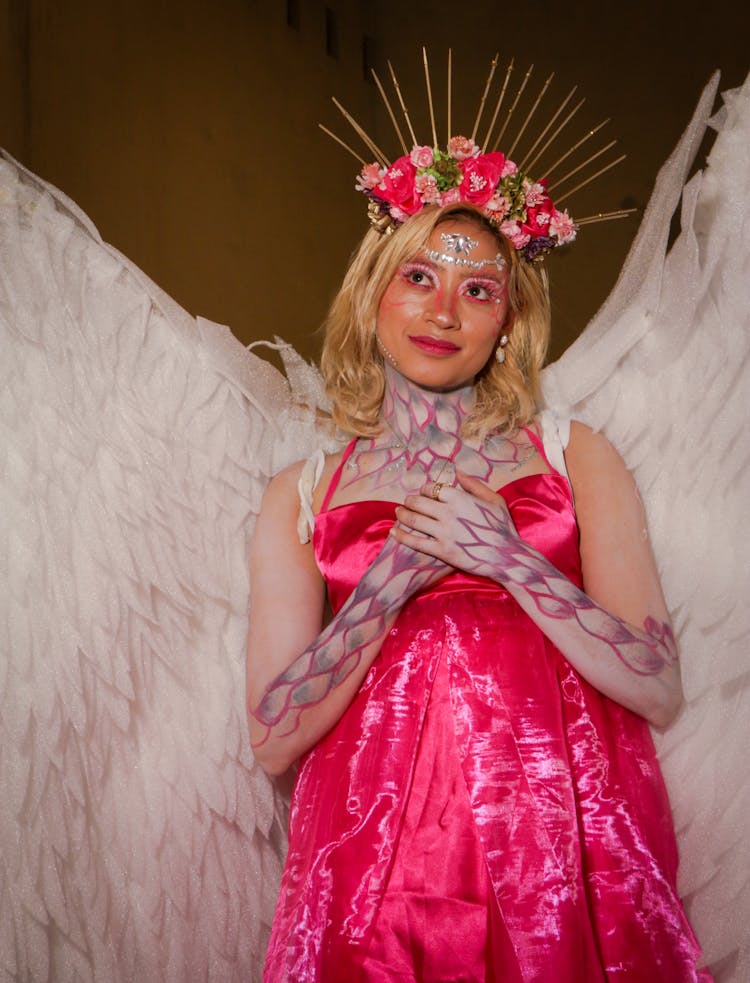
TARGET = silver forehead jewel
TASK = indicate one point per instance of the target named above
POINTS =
(457, 243)
(473, 264)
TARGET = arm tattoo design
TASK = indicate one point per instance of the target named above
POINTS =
(494, 550)
(355, 633)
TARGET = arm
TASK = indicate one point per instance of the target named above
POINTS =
(616, 631)
(301, 679)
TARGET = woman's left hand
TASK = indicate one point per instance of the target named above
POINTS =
(465, 526)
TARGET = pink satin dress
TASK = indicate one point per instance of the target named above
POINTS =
(479, 812)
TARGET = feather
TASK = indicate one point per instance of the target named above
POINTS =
(663, 371)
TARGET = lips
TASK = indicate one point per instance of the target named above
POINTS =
(435, 346)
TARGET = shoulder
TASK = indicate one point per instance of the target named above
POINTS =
(591, 458)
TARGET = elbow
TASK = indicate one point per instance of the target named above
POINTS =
(664, 711)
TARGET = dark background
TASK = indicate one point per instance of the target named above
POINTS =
(188, 130)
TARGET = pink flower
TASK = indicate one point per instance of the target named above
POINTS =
(422, 157)
(562, 226)
(512, 231)
(369, 177)
(509, 169)
(397, 187)
(497, 207)
(398, 214)
(481, 175)
(462, 147)
(451, 197)
(535, 193)
(538, 218)
(427, 189)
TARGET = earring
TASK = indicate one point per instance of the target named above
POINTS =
(500, 350)
(385, 351)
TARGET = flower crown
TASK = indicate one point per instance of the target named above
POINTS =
(520, 208)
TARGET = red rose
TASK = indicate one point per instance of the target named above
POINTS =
(397, 186)
(538, 218)
(481, 177)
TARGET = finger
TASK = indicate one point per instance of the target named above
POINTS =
(424, 505)
(409, 519)
(437, 491)
(476, 486)
(418, 542)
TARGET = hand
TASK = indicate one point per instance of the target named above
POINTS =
(464, 526)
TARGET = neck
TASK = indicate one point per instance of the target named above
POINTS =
(420, 417)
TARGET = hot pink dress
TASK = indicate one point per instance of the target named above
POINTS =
(479, 812)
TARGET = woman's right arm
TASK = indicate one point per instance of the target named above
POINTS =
(301, 679)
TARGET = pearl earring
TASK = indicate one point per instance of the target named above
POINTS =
(500, 350)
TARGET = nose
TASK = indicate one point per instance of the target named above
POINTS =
(441, 312)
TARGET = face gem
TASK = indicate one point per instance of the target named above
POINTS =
(457, 243)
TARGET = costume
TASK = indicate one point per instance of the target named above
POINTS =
(138, 838)
(473, 764)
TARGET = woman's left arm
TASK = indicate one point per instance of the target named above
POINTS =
(616, 631)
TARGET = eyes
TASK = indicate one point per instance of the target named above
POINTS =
(481, 289)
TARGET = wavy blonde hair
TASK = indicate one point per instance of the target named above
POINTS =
(507, 395)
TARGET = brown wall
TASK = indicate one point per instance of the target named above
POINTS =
(187, 130)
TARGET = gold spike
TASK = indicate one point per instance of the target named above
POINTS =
(590, 179)
(450, 79)
(605, 216)
(402, 103)
(575, 147)
(499, 103)
(512, 109)
(543, 134)
(530, 114)
(429, 96)
(384, 97)
(580, 167)
(493, 66)
(344, 145)
(556, 133)
(370, 144)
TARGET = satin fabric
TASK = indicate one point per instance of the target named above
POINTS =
(479, 812)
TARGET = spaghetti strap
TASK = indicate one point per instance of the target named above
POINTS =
(336, 476)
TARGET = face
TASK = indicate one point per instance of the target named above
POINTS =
(443, 312)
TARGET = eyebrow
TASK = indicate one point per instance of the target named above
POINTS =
(426, 259)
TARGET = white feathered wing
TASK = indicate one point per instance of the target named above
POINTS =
(664, 371)
(138, 839)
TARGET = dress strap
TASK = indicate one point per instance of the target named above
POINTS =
(336, 476)
(554, 440)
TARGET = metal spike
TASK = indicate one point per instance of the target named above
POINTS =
(530, 114)
(429, 96)
(344, 145)
(488, 83)
(590, 179)
(523, 165)
(575, 147)
(402, 104)
(512, 109)
(580, 167)
(605, 216)
(499, 103)
(370, 144)
(450, 79)
(384, 97)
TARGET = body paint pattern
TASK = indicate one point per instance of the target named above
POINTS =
(491, 548)
(355, 634)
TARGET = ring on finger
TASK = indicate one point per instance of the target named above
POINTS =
(436, 489)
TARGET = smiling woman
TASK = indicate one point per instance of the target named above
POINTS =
(478, 795)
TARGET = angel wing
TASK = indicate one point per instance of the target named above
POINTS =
(663, 370)
(138, 839)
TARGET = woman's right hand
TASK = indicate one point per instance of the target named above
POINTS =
(301, 679)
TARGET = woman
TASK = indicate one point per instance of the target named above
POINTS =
(478, 796)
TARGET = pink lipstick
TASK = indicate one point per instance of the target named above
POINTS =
(435, 346)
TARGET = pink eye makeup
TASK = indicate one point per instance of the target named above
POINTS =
(418, 274)
(483, 289)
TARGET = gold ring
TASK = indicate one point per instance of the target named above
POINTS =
(436, 489)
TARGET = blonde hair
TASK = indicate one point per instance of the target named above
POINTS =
(506, 396)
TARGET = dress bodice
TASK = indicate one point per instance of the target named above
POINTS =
(348, 537)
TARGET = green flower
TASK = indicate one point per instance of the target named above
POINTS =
(445, 170)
